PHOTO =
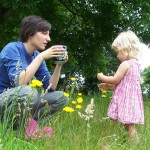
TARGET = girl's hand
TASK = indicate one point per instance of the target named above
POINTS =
(100, 76)
(54, 51)
(105, 86)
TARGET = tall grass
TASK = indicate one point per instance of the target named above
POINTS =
(70, 132)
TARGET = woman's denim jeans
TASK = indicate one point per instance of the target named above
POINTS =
(40, 107)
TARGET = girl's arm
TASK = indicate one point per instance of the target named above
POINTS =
(122, 70)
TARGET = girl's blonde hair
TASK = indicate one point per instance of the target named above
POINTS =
(128, 43)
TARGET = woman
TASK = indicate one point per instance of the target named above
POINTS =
(20, 62)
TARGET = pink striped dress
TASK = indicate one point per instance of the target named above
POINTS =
(127, 104)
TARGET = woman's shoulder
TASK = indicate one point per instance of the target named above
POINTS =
(14, 43)
(12, 46)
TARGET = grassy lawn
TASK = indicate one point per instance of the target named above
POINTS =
(70, 132)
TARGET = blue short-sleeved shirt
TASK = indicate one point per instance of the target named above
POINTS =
(14, 58)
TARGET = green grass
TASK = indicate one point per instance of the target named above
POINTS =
(70, 132)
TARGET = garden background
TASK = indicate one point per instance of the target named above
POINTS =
(88, 28)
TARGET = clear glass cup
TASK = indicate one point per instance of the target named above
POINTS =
(60, 59)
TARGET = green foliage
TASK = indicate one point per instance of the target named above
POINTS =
(70, 132)
(12, 12)
(146, 82)
(135, 17)
(86, 27)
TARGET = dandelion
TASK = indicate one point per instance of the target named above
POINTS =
(79, 94)
(73, 79)
(32, 85)
(78, 106)
(73, 102)
(79, 100)
(36, 83)
(104, 91)
(68, 109)
(66, 94)
(103, 96)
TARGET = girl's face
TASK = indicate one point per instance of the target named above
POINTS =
(40, 40)
(122, 56)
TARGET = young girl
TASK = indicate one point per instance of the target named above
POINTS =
(127, 103)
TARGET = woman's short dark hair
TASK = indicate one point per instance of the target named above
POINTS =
(30, 25)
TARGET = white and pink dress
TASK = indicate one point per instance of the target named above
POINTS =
(127, 104)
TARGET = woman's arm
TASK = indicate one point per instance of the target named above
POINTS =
(26, 75)
(55, 76)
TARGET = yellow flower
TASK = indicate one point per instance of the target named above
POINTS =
(78, 106)
(32, 85)
(68, 109)
(73, 79)
(104, 91)
(79, 100)
(104, 96)
(110, 97)
(73, 102)
(66, 94)
(37, 82)
(79, 94)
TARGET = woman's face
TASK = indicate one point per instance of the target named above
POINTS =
(40, 40)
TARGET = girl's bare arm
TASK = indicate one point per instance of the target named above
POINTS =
(122, 70)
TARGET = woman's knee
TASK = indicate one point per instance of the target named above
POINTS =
(27, 91)
(63, 99)
(57, 98)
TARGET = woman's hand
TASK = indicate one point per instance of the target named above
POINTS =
(65, 59)
(54, 51)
